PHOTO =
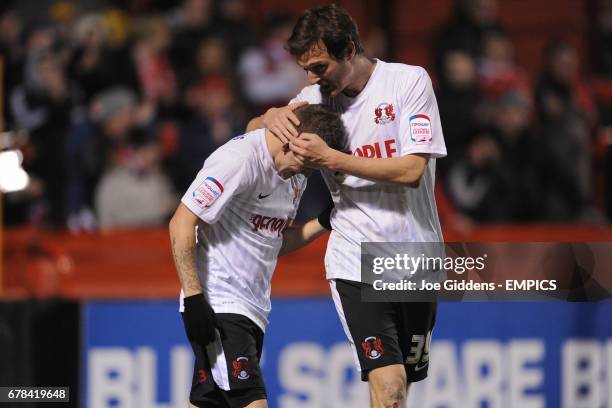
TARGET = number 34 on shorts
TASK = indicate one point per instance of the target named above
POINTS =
(419, 351)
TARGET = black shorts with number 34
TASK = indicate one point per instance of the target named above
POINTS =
(385, 333)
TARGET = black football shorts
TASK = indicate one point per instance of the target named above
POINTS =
(227, 372)
(385, 333)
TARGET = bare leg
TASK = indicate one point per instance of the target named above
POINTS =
(388, 387)
(258, 404)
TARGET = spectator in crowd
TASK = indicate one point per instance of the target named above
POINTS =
(89, 65)
(190, 23)
(566, 114)
(235, 28)
(269, 74)
(509, 173)
(601, 49)
(79, 84)
(477, 183)
(601, 60)
(460, 103)
(135, 192)
(156, 75)
(498, 178)
(96, 143)
(520, 159)
(42, 106)
(470, 22)
(560, 89)
(211, 59)
(116, 24)
(216, 119)
(498, 71)
(63, 14)
(12, 54)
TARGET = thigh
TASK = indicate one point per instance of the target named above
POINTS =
(415, 322)
(233, 364)
(370, 327)
(204, 391)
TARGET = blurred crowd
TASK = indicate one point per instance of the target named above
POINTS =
(520, 149)
(115, 114)
(115, 111)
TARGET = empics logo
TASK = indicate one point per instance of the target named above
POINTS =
(384, 113)
(207, 193)
(420, 129)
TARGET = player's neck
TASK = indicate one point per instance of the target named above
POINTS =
(275, 147)
(363, 69)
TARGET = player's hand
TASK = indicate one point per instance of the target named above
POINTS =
(199, 320)
(282, 122)
(311, 151)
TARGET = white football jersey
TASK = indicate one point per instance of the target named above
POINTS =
(394, 115)
(244, 206)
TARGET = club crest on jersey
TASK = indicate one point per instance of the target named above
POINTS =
(420, 129)
(241, 368)
(207, 193)
(372, 347)
(384, 113)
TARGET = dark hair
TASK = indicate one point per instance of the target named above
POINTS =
(322, 121)
(330, 24)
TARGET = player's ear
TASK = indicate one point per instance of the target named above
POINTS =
(352, 51)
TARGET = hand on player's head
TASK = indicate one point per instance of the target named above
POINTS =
(310, 149)
(282, 122)
(289, 164)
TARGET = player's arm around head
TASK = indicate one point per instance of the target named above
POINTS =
(319, 123)
(314, 152)
(327, 127)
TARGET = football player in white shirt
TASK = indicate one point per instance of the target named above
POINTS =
(242, 203)
(383, 190)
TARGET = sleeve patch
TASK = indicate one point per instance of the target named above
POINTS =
(207, 193)
(420, 129)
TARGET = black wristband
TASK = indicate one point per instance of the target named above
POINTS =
(199, 319)
(194, 299)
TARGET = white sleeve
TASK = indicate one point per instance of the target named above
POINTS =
(310, 94)
(420, 127)
(225, 174)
